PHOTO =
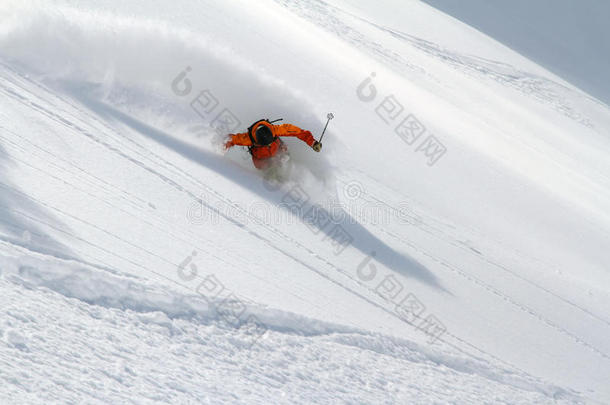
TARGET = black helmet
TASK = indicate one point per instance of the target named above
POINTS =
(263, 135)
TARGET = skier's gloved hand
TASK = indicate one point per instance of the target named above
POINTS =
(229, 143)
(317, 146)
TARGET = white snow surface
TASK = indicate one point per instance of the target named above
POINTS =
(139, 263)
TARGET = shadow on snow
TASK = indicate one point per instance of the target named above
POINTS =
(363, 240)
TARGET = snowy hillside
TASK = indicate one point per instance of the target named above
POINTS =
(449, 244)
(569, 38)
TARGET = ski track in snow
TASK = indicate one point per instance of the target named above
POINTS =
(443, 231)
(493, 290)
(333, 19)
(189, 327)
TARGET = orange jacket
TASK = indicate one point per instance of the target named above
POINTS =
(265, 152)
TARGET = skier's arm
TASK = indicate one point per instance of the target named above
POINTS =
(292, 130)
(238, 140)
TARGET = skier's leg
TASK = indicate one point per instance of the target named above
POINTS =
(261, 164)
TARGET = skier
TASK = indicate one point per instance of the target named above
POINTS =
(263, 141)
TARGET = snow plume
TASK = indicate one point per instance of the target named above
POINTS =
(102, 48)
(151, 70)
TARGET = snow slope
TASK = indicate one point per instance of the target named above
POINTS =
(569, 38)
(141, 265)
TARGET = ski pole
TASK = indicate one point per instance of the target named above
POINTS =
(330, 116)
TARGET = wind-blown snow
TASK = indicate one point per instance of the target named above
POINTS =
(141, 264)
